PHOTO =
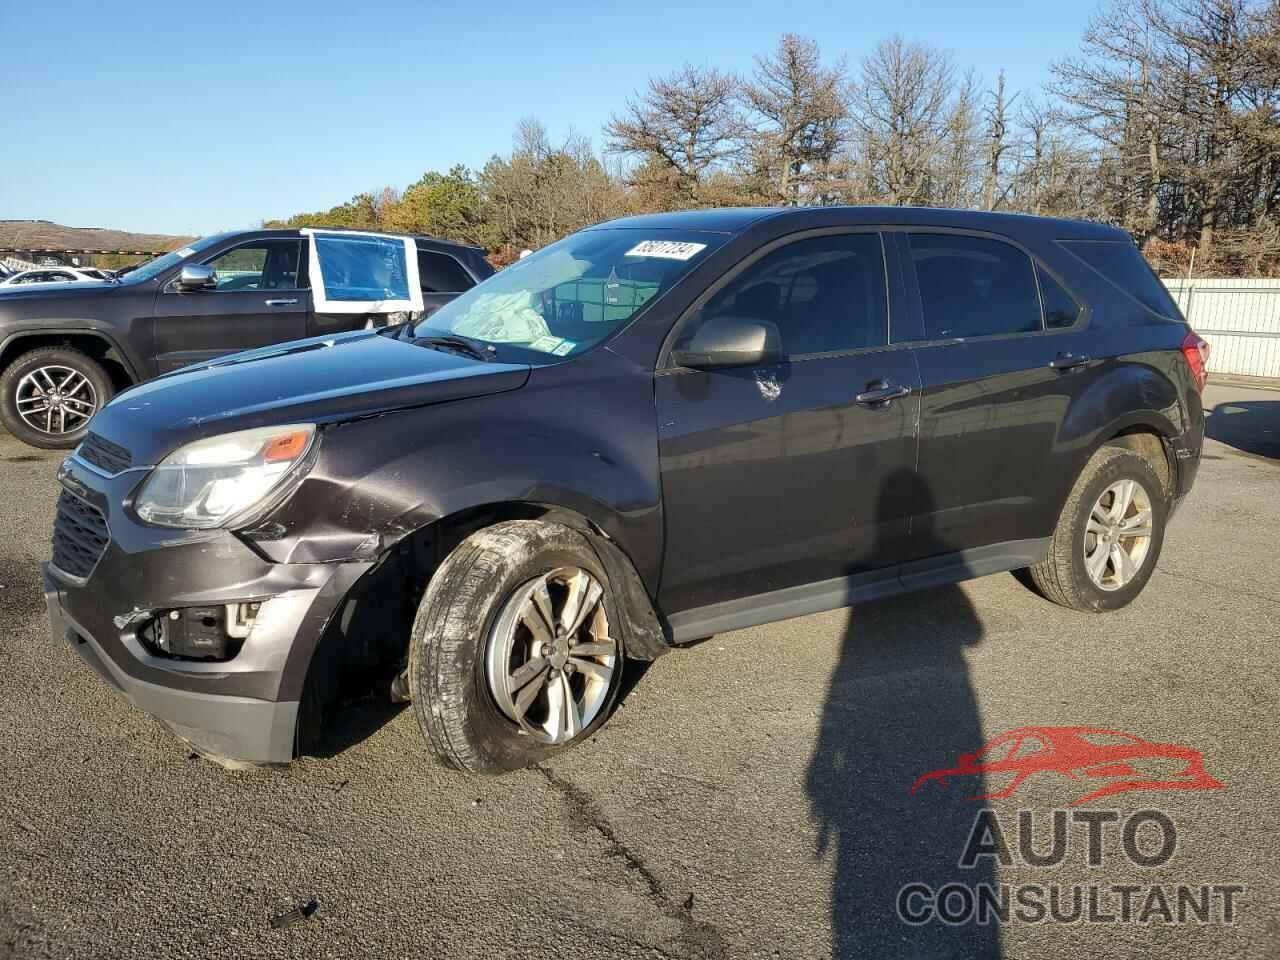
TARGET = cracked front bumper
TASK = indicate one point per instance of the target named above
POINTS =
(243, 708)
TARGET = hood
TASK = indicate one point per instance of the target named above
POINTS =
(62, 291)
(323, 379)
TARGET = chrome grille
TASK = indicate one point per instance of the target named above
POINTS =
(80, 536)
(104, 454)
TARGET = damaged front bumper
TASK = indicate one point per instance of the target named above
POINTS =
(241, 704)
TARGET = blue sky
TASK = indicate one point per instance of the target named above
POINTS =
(194, 118)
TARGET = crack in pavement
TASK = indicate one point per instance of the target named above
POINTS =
(700, 934)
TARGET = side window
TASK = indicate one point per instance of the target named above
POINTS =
(1121, 262)
(825, 294)
(1060, 308)
(440, 273)
(974, 286)
(265, 265)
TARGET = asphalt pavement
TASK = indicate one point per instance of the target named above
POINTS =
(751, 798)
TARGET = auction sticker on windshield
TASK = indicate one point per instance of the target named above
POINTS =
(666, 249)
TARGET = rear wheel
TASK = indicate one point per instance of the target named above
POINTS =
(1109, 535)
(513, 654)
(47, 396)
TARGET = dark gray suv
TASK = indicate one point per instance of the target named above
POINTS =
(653, 431)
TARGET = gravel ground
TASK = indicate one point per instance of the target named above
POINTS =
(750, 799)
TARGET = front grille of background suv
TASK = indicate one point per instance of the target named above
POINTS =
(80, 536)
(102, 453)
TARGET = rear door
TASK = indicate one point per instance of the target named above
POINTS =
(778, 476)
(259, 299)
(1002, 351)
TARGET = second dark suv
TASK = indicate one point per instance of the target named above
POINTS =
(65, 348)
(653, 431)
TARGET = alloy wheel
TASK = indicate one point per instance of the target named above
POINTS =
(550, 658)
(1118, 535)
(56, 399)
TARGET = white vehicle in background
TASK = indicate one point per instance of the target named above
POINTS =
(54, 275)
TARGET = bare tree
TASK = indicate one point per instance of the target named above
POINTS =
(687, 122)
(998, 144)
(801, 113)
(545, 190)
(1109, 93)
(902, 106)
(957, 178)
(1166, 122)
(1181, 99)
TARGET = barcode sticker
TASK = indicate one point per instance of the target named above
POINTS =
(666, 249)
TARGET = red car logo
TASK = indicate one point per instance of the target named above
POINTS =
(1078, 752)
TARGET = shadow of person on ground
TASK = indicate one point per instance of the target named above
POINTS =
(900, 704)
(1252, 426)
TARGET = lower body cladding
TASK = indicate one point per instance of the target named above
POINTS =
(226, 673)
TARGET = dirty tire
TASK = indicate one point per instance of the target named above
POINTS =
(451, 699)
(32, 360)
(1061, 576)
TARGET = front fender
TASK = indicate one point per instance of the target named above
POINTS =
(581, 436)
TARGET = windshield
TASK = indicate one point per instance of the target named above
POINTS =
(567, 297)
(157, 266)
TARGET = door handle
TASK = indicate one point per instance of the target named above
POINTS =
(880, 393)
(1068, 361)
(280, 303)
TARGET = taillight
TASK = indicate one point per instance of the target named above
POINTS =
(1196, 349)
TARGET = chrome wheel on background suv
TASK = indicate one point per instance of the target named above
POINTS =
(48, 395)
(56, 399)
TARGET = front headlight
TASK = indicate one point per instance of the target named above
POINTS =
(209, 482)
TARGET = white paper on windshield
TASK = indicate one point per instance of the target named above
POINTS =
(184, 252)
(666, 249)
(546, 344)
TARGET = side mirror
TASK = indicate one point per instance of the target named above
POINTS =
(196, 276)
(731, 342)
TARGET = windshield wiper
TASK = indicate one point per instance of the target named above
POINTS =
(460, 344)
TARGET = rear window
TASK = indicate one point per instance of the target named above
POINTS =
(974, 286)
(440, 273)
(1120, 262)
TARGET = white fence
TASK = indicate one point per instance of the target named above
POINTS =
(1239, 318)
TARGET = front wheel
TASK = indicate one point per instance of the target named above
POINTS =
(47, 396)
(1109, 535)
(514, 655)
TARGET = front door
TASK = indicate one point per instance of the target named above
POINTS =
(798, 471)
(258, 300)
